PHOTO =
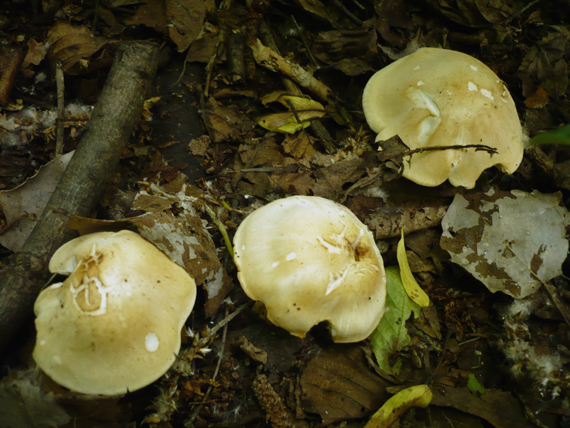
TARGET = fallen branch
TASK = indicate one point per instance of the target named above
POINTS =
(275, 62)
(80, 188)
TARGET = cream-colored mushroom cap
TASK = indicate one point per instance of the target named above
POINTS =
(114, 325)
(439, 97)
(309, 260)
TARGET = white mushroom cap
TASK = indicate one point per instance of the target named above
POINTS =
(309, 260)
(438, 97)
(114, 325)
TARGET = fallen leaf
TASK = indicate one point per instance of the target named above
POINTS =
(391, 334)
(558, 136)
(301, 111)
(75, 46)
(24, 405)
(388, 415)
(151, 13)
(499, 408)
(474, 386)
(510, 241)
(185, 19)
(338, 385)
(411, 286)
(225, 123)
(24, 205)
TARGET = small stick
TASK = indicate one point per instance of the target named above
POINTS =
(347, 12)
(90, 170)
(60, 107)
(318, 128)
(216, 371)
(9, 76)
(222, 229)
(313, 60)
(269, 59)
(212, 62)
(358, 5)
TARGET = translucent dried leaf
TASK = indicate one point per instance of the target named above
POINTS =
(510, 241)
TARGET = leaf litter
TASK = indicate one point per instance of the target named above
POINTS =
(329, 51)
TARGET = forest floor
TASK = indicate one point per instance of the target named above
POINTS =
(255, 101)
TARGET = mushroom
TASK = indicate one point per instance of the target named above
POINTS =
(309, 260)
(438, 97)
(114, 324)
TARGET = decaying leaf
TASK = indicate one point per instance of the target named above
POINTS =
(391, 334)
(75, 47)
(151, 13)
(338, 385)
(511, 242)
(25, 204)
(23, 404)
(335, 47)
(544, 64)
(225, 123)
(413, 289)
(171, 221)
(497, 407)
(477, 13)
(387, 416)
(205, 45)
(185, 19)
(318, 8)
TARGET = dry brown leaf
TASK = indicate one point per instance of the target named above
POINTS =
(497, 407)
(225, 123)
(185, 19)
(75, 47)
(151, 13)
(338, 385)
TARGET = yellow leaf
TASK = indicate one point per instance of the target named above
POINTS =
(410, 284)
(302, 104)
(302, 108)
(282, 122)
(390, 412)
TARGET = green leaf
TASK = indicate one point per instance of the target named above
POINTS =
(474, 386)
(391, 334)
(558, 136)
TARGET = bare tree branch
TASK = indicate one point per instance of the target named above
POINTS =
(82, 184)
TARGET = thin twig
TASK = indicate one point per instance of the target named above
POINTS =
(239, 175)
(212, 62)
(347, 12)
(358, 5)
(196, 411)
(59, 78)
(478, 147)
(222, 229)
(313, 60)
